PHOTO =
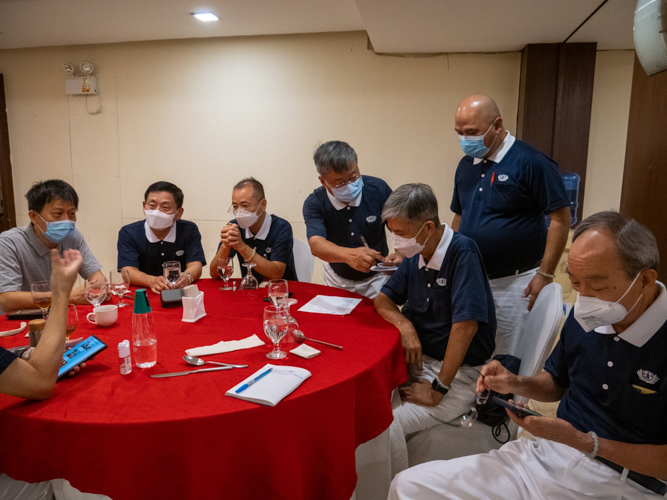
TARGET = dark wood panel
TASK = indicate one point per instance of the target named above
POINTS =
(644, 194)
(8, 217)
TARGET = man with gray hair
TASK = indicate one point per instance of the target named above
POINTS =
(609, 372)
(451, 323)
(343, 221)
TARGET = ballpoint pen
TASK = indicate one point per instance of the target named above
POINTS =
(363, 240)
(250, 382)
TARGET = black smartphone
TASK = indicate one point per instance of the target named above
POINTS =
(24, 314)
(521, 411)
(84, 350)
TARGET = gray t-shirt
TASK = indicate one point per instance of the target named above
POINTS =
(24, 259)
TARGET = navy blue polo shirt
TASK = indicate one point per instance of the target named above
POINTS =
(6, 359)
(502, 205)
(134, 249)
(605, 375)
(458, 292)
(345, 227)
(276, 246)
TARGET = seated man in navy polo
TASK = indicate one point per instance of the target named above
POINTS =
(344, 225)
(256, 236)
(144, 246)
(502, 190)
(609, 371)
(451, 324)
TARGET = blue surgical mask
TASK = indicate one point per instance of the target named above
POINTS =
(473, 145)
(57, 231)
(349, 192)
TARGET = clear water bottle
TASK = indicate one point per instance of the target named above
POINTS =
(571, 182)
(144, 341)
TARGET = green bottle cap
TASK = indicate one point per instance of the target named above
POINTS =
(141, 304)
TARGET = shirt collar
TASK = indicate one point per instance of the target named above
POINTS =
(644, 327)
(34, 240)
(263, 231)
(150, 235)
(339, 205)
(440, 251)
(500, 152)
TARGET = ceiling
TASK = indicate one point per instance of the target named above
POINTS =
(393, 26)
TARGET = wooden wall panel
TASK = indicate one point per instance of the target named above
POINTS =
(8, 216)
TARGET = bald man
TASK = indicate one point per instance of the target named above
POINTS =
(503, 188)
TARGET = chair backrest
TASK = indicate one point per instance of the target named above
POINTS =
(303, 260)
(540, 330)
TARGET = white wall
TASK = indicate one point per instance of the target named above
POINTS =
(204, 113)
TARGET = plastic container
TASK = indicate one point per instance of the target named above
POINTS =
(571, 182)
(144, 341)
(125, 358)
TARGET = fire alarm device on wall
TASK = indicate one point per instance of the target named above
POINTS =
(81, 85)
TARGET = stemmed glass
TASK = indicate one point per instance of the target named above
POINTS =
(249, 282)
(172, 271)
(278, 290)
(120, 283)
(468, 418)
(292, 324)
(41, 295)
(72, 321)
(275, 328)
(225, 270)
(95, 290)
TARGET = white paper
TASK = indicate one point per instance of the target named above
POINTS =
(271, 388)
(305, 351)
(225, 346)
(384, 269)
(325, 304)
(193, 307)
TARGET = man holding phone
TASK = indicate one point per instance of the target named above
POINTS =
(609, 372)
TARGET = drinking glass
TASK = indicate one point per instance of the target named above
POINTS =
(249, 282)
(41, 295)
(225, 270)
(72, 320)
(275, 328)
(172, 271)
(292, 324)
(95, 290)
(278, 290)
(119, 281)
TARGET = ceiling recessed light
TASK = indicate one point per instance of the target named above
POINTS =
(206, 16)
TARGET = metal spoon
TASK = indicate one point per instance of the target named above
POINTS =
(193, 360)
(301, 338)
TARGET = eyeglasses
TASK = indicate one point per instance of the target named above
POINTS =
(342, 184)
(231, 208)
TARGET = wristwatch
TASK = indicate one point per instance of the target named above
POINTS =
(439, 386)
(189, 277)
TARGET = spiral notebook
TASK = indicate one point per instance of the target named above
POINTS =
(270, 389)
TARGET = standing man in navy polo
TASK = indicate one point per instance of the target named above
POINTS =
(502, 190)
(344, 222)
(609, 372)
(256, 236)
(144, 246)
(451, 324)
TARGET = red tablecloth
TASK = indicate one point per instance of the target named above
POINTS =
(136, 437)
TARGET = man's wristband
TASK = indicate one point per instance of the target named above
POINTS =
(546, 275)
(254, 251)
(596, 446)
(189, 277)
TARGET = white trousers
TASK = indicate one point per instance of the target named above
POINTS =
(511, 310)
(58, 489)
(370, 287)
(410, 418)
(523, 469)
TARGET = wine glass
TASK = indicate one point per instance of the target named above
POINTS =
(172, 271)
(275, 328)
(95, 290)
(41, 295)
(72, 320)
(225, 270)
(119, 281)
(292, 324)
(249, 282)
(468, 418)
(278, 290)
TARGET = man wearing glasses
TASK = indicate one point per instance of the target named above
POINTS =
(255, 236)
(344, 221)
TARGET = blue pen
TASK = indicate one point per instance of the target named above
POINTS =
(250, 382)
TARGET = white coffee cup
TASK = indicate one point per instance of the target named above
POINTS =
(103, 315)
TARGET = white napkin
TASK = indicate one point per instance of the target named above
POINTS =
(9, 333)
(229, 346)
(193, 307)
(305, 351)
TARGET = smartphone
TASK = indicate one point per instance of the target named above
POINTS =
(25, 314)
(80, 353)
(521, 411)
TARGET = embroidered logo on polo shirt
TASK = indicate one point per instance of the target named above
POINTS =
(503, 177)
(180, 252)
(267, 249)
(441, 281)
(647, 376)
(371, 218)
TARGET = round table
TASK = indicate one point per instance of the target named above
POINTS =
(133, 436)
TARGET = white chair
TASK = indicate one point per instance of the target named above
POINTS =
(303, 260)
(444, 442)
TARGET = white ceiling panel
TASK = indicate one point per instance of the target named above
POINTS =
(610, 27)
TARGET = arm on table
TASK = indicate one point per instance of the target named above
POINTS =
(78, 294)
(155, 283)
(13, 301)
(194, 269)
(412, 347)
(361, 258)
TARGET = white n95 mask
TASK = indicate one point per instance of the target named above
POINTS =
(244, 218)
(409, 246)
(592, 313)
(159, 220)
